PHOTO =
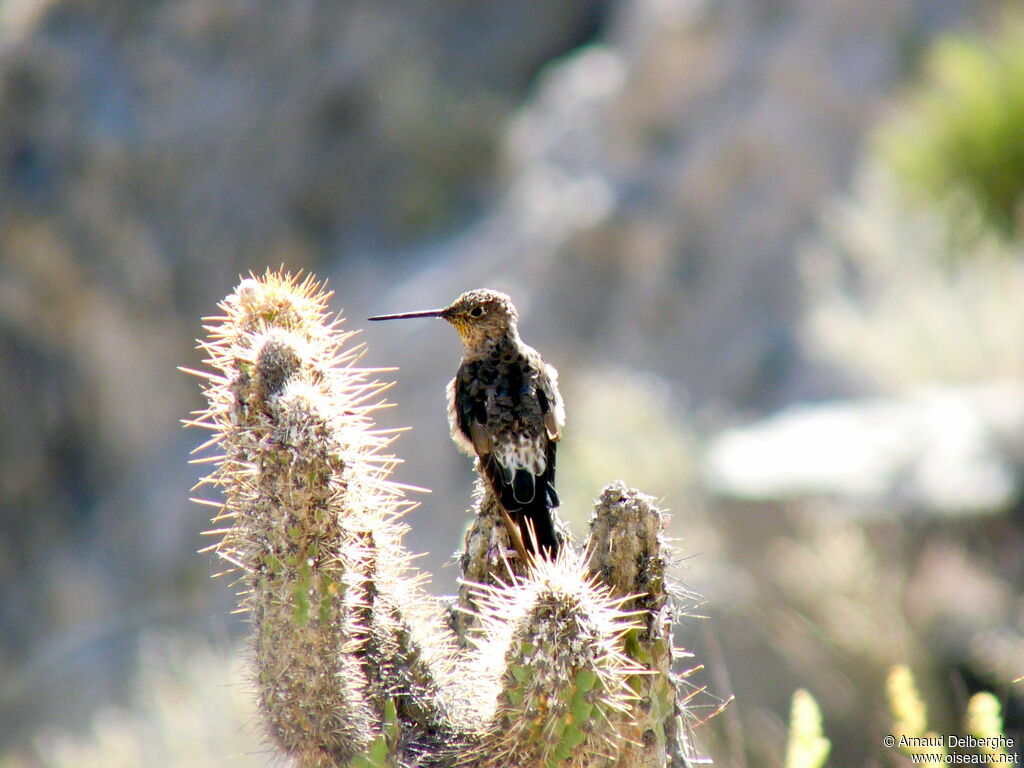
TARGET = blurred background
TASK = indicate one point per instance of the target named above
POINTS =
(774, 248)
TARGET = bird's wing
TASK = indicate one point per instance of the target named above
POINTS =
(460, 430)
(551, 407)
(480, 438)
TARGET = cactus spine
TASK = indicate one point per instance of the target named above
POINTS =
(353, 660)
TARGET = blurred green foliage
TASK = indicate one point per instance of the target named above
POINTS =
(807, 746)
(961, 129)
(904, 296)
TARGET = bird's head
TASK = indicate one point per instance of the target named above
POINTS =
(479, 316)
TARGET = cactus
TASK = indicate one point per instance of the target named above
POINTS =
(565, 663)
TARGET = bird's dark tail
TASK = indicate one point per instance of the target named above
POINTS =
(529, 500)
(537, 526)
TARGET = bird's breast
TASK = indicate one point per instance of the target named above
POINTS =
(501, 388)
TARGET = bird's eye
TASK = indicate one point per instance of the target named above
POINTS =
(477, 311)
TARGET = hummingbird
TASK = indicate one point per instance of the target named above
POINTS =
(504, 408)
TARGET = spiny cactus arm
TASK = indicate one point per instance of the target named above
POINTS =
(486, 561)
(347, 670)
(627, 552)
(551, 645)
(489, 557)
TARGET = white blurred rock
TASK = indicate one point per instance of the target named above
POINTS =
(940, 451)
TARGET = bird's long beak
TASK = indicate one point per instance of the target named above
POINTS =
(408, 315)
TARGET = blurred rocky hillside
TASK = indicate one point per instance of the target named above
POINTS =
(641, 175)
(149, 153)
(658, 190)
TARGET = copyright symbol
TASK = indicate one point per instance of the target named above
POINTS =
(889, 741)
